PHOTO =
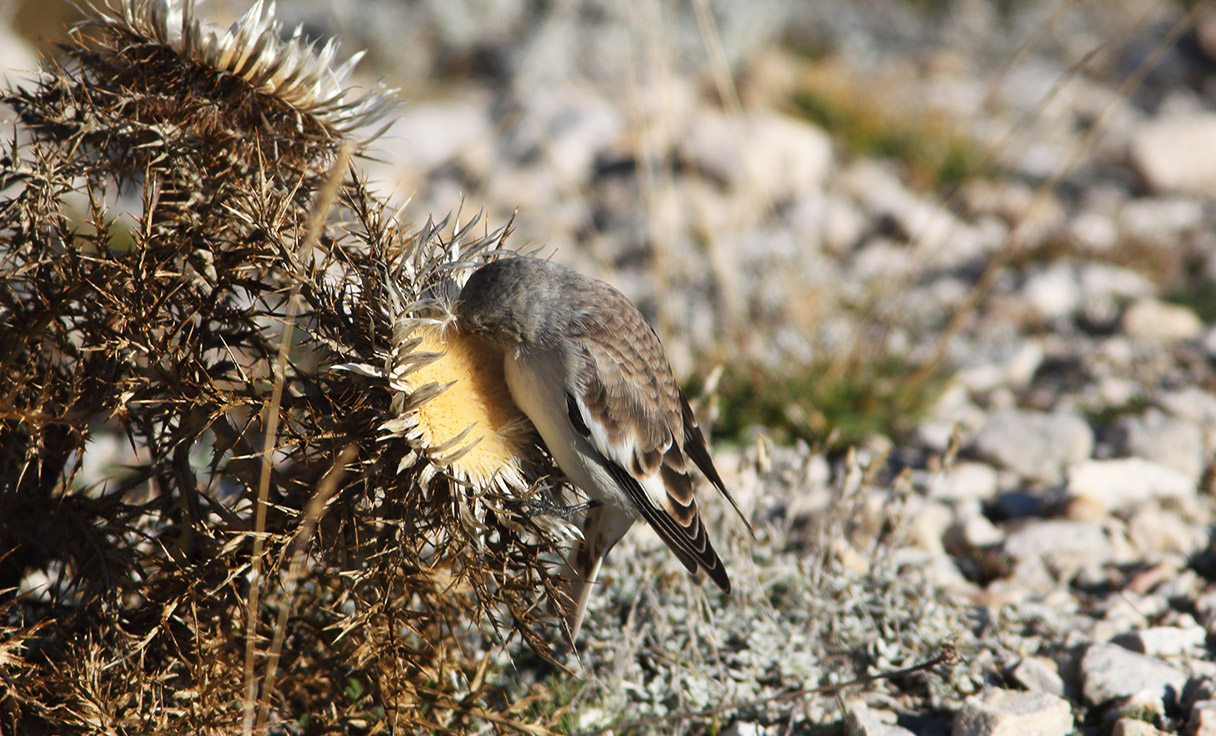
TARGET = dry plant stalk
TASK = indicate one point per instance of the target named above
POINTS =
(393, 559)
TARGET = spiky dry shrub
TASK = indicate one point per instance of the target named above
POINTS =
(306, 535)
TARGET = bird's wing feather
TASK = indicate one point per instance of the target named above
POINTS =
(626, 402)
(698, 450)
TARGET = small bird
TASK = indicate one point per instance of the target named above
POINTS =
(582, 363)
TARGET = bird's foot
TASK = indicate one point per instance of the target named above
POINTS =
(540, 506)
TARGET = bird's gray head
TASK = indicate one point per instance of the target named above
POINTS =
(519, 300)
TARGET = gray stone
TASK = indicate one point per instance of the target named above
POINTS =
(1038, 673)
(1129, 612)
(1197, 405)
(1105, 288)
(1036, 445)
(1111, 672)
(1125, 482)
(1170, 441)
(998, 712)
(1067, 547)
(1205, 606)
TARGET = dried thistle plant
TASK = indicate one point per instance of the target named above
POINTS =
(321, 521)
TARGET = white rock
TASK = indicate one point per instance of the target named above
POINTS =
(964, 481)
(1130, 612)
(1134, 727)
(998, 712)
(1156, 320)
(927, 525)
(1093, 231)
(747, 728)
(1010, 366)
(1030, 577)
(941, 239)
(1104, 281)
(1036, 445)
(1124, 482)
(842, 224)
(1177, 154)
(1203, 718)
(1110, 672)
(1144, 705)
(1118, 391)
(1053, 292)
(1155, 531)
(1166, 641)
(862, 720)
(429, 134)
(1067, 546)
(1160, 219)
(773, 156)
(972, 531)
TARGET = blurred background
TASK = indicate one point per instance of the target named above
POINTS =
(812, 185)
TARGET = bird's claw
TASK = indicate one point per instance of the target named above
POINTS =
(545, 507)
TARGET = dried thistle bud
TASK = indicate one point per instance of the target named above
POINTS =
(162, 250)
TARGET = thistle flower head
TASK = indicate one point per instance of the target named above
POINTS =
(177, 333)
(254, 49)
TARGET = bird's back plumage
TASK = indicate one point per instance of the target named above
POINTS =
(584, 365)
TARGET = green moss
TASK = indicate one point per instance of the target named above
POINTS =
(839, 402)
(1199, 297)
(934, 155)
(557, 704)
(1108, 415)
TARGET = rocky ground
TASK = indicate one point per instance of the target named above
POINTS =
(1022, 229)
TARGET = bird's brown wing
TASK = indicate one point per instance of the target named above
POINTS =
(627, 404)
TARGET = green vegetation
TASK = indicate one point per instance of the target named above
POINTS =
(552, 701)
(839, 402)
(934, 153)
(1200, 297)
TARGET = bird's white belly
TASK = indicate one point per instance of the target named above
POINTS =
(538, 386)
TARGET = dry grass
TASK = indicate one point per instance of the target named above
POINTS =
(267, 560)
